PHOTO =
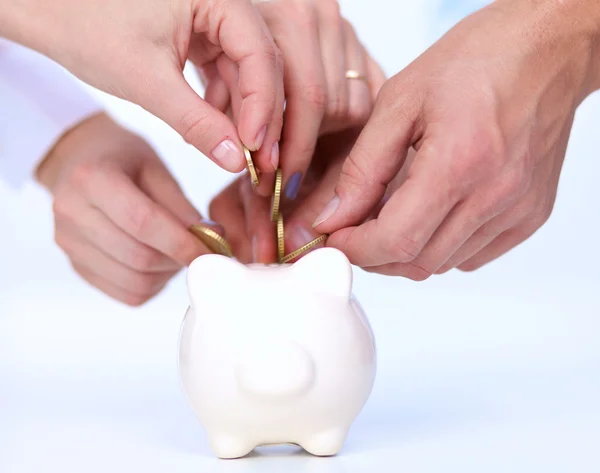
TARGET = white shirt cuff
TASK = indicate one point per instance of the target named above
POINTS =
(39, 102)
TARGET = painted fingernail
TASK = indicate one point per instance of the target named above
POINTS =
(275, 155)
(328, 211)
(260, 138)
(300, 236)
(293, 185)
(227, 155)
(255, 249)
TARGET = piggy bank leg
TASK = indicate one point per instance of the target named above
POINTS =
(229, 446)
(325, 443)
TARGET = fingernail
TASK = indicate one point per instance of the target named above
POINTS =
(275, 155)
(260, 137)
(227, 155)
(206, 221)
(293, 185)
(328, 211)
(254, 249)
(300, 236)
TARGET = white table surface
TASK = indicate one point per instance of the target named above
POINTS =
(495, 371)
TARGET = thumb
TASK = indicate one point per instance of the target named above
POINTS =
(174, 101)
(373, 162)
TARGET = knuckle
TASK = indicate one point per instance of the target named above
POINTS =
(82, 174)
(140, 220)
(330, 10)
(196, 127)
(315, 95)
(359, 113)
(302, 147)
(303, 12)
(337, 107)
(142, 259)
(481, 154)
(274, 57)
(469, 266)
(353, 171)
(182, 250)
(143, 284)
(216, 207)
(418, 274)
(542, 215)
(134, 300)
(62, 241)
(402, 248)
(514, 185)
(61, 209)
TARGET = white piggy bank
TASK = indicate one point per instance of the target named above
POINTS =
(273, 354)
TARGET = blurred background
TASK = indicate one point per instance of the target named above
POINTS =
(496, 369)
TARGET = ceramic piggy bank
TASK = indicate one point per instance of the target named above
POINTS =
(274, 354)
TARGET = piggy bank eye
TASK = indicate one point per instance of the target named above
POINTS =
(326, 270)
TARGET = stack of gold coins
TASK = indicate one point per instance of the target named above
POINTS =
(217, 244)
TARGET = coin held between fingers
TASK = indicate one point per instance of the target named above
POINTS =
(251, 169)
(212, 240)
(276, 199)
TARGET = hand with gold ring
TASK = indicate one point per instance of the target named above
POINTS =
(330, 81)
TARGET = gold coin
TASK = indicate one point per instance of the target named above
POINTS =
(303, 249)
(280, 238)
(251, 168)
(215, 242)
(276, 199)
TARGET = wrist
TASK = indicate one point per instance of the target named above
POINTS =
(579, 22)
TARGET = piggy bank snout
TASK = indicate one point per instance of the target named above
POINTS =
(275, 370)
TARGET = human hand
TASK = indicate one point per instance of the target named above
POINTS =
(318, 47)
(136, 50)
(489, 109)
(246, 216)
(119, 215)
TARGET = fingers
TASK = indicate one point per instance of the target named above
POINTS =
(111, 289)
(88, 256)
(318, 188)
(158, 184)
(259, 227)
(265, 159)
(139, 216)
(376, 75)
(481, 238)
(404, 225)
(359, 94)
(93, 226)
(374, 161)
(173, 100)
(333, 52)
(498, 247)
(295, 25)
(462, 224)
(227, 209)
(298, 230)
(216, 92)
(246, 40)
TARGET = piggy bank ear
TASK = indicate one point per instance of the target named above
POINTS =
(213, 275)
(326, 270)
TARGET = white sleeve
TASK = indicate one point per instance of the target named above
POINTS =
(39, 102)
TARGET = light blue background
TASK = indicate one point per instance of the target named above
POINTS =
(493, 371)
